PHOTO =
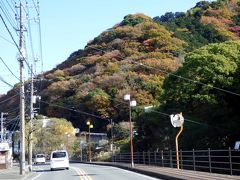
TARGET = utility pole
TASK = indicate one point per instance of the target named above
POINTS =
(31, 123)
(2, 114)
(22, 95)
(1, 127)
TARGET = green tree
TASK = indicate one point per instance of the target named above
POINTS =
(98, 101)
(53, 134)
(200, 89)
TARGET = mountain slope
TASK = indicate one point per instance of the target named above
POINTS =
(132, 57)
(96, 78)
(206, 23)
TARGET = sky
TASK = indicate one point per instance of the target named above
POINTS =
(67, 26)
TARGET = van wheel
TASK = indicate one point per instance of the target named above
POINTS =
(52, 169)
(67, 168)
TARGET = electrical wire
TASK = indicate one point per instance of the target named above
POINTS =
(40, 44)
(36, 7)
(8, 15)
(11, 111)
(10, 121)
(15, 43)
(1, 79)
(172, 74)
(30, 34)
(9, 69)
(16, 124)
(168, 115)
(11, 6)
(78, 111)
(7, 40)
(8, 98)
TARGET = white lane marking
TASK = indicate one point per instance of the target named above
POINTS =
(37, 176)
(142, 175)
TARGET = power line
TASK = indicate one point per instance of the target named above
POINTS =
(168, 115)
(9, 69)
(36, 7)
(8, 98)
(169, 73)
(187, 79)
(40, 44)
(70, 109)
(15, 43)
(16, 124)
(1, 79)
(7, 14)
(7, 40)
(30, 34)
(11, 6)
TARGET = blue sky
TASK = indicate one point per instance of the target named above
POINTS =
(67, 26)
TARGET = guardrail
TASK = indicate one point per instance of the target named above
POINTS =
(215, 161)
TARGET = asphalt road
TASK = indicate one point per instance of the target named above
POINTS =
(79, 171)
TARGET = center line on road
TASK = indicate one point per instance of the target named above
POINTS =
(83, 175)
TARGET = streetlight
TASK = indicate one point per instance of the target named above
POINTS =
(177, 120)
(111, 144)
(68, 135)
(90, 126)
(132, 103)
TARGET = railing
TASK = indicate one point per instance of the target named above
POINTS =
(215, 161)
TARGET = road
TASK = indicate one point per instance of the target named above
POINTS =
(79, 171)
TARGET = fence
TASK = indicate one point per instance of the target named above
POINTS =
(216, 161)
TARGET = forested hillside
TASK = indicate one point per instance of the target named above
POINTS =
(158, 62)
(207, 22)
(114, 63)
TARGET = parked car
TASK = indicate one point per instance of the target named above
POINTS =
(59, 160)
(40, 158)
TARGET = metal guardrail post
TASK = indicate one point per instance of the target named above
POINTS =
(194, 163)
(181, 158)
(162, 157)
(143, 157)
(230, 160)
(209, 160)
(171, 163)
(200, 159)
(137, 153)
(149, 158)
(155, 157)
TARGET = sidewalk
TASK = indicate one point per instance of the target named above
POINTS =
(170, 173)
(13, 173)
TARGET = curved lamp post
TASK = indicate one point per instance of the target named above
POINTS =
(132, 103)
(90, 126)
(177, 120)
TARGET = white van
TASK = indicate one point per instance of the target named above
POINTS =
(40, 158)
(59, 160)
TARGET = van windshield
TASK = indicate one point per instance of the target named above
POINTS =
(40, 156)
(59, 154)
